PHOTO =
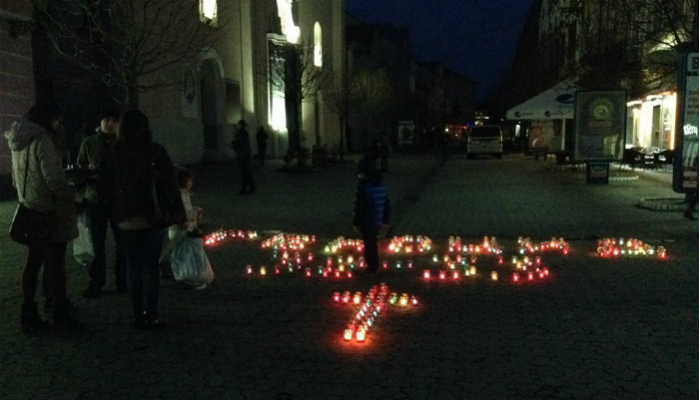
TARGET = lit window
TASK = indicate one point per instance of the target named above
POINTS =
(207, 11)
(318, 45)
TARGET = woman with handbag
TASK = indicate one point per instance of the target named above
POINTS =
(140, 185)
(45, 220)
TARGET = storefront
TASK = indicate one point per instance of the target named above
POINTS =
(651, 121)
(546, 119)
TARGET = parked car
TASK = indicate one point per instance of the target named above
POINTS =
(485, 139)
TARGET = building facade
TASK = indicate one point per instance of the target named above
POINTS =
(606, 45)
(230, 80)
(16, 71)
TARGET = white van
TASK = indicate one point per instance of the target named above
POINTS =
(485, 139)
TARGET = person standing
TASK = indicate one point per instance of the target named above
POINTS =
(92, 151)
(41, 185)
(241, 144)
(368, 162)
(371, 213)
(261, 137)
(127, 180)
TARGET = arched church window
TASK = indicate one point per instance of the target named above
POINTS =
(318, 45)
(207, 11)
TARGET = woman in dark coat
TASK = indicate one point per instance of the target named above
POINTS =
(41, 185)
(129, 171)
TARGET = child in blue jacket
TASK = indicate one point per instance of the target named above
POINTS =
(372, 212)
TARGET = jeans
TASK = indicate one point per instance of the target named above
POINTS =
(98, 219)
(143, 247)
(53, 257)
(369, 237)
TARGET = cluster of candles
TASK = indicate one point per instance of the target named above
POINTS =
(445, 275)
(458, 260)
(221, 235)
(288, 242)
(527, 246)
(628, 247)
(326, 272)
(454, 245)
(374, 303)
(410, 244)
(341, 243)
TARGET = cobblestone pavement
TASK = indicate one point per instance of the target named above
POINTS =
(594, 329)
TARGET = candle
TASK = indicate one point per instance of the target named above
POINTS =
(494, 275)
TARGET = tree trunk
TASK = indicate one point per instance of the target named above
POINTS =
(342, 139)
(696, 25)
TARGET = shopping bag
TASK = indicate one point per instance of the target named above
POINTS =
(82, 245)
(190, 263)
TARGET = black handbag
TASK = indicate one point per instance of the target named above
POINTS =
(168, 208)
(30, 227)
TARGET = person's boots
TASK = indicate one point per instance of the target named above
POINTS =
(62, 320)
(30, 321)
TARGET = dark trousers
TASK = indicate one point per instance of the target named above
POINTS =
(384, 163)
(369, 237)
(54, 255)
(262, 153)
(98, 219)
(247, 184)
(143, 247)
(691, 201)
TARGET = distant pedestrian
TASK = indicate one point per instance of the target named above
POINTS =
(368, 162)
(127, 176)
(92, 151)
(385, 152)
(241, 144)
(42, 186)
(371, 213)
(261, 138)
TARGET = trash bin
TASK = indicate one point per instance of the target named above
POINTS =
(597, 172)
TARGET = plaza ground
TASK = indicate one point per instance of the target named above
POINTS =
(596, 328)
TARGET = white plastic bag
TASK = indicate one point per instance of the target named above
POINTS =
(82, 245)
(190, 263)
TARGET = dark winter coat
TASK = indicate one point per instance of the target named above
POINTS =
(91, 152)
(242, 144)
(126, 183)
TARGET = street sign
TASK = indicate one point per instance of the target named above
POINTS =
(685, 157)
(600, 118)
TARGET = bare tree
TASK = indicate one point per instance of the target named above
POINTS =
(336, 96)
(371, 92)
(130, 45)
(290, 69)
(635, 43)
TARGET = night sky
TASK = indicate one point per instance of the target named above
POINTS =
(476, 38)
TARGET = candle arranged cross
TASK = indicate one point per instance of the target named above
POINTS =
(628, 247)
(454, 245)
(528, 247)
(282, 241)
(221, 235)
(340, 243)
(410, 244)
(375, 303)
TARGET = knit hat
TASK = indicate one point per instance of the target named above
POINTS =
(110, 112)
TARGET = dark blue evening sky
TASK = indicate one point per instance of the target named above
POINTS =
(476, 38)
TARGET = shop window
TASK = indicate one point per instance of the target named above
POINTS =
(208, 11)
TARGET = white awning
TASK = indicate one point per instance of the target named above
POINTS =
(554, 103)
